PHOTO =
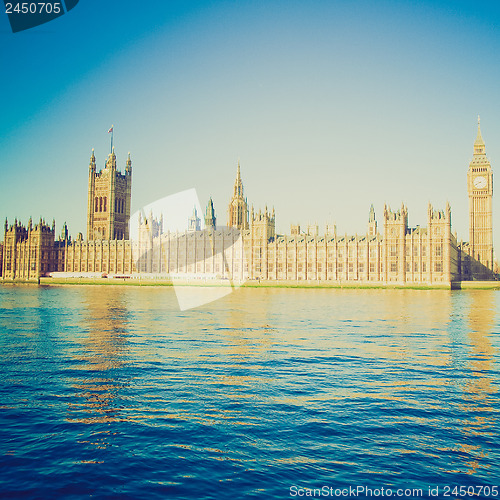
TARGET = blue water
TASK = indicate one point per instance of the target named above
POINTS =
(112, 392)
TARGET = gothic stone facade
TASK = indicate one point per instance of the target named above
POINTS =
(109, 195)
(32, 251)
(249, 248)
(400, 255)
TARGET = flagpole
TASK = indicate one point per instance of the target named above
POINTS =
(112, 132)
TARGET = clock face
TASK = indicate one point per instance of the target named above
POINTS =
(480, 182)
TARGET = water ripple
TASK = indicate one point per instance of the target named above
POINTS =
(113, 393)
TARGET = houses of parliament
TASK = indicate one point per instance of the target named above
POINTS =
(248, 248)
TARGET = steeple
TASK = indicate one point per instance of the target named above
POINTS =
(238, 208)
(194, 221)
(210, 218)
(64, 232)
(92, 161)
(238, 185)
(371, 217)
(128, 168)
(372, 222)
(479, 143)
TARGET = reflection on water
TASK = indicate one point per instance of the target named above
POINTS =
(480, 384)
(104, 320)
(481, 328)
(124, 395)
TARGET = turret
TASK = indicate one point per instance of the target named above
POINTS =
(111, 161)
(92, 161)
(372, 223)
(194, 221)
(238, 206)
(238, 185)
(263, 225)
(128, 168)
(210, 218)
(64, 232)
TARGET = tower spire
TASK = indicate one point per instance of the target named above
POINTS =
(210, 218)
(128, 168)
(371, 217)
(372, 222)
(92, 161)
(238, 210)
(479, 143)
(238, 184)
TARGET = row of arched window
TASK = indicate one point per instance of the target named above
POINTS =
(101, 205)
(119, 206)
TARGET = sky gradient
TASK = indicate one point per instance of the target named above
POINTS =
(329, 106)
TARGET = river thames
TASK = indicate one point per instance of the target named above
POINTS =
(113, 392)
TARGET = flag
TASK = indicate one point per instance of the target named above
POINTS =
(111, 129)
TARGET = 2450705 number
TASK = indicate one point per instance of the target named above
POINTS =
(470, 491)
(33, 8)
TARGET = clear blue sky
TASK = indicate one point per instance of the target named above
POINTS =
(329, 105)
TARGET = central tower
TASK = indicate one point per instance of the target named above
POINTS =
(238, 208)
(480, 189)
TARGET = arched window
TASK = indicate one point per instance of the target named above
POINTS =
(96, 204)
(100, 204)
(105, 200)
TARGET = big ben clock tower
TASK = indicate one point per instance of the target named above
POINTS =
(480, 188)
